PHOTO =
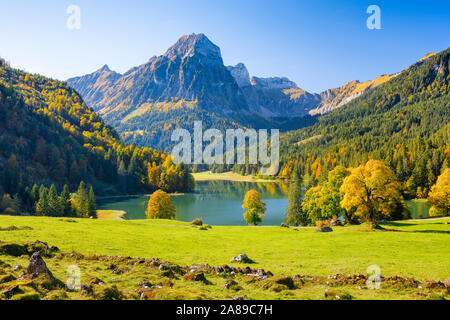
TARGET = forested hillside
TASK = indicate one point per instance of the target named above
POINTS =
(49, 136)
(404, 122)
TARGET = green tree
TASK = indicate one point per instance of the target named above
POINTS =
(332, 196)
(255, 208)
(82, 201)
(92, 206)
(54, 205)
(294, 213)
(65, 202)
(42, 208)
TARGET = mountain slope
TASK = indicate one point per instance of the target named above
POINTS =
(48, 135)
(404, 122)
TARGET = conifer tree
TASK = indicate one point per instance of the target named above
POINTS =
(82, 201)
(294, 213)
(92, 206)
(65, 201)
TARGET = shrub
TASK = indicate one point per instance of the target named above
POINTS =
(197, 222)
(108, 293)
(437, 212)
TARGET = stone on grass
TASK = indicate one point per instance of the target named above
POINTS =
(37, 266)
(241, 258)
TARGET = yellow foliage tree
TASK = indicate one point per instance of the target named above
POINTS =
(439, 196)
(373, 190)
(160, 206)
(255, 207)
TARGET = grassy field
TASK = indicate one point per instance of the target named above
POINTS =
(227, 176)
(408, 249)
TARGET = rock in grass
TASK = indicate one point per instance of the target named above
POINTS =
(195, 276)
(37, 266)
(324, 229)
(230, 283)
(241, 258)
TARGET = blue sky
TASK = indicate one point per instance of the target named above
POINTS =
(317, 44)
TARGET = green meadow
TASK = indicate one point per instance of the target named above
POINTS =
(416, 249)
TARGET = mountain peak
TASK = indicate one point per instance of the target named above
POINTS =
(274, 83)
(240, 74)
(192, 44)
(105, 68)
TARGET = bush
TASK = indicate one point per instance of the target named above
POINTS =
(320, 224)
(437, 212)
(108, 292)
(197, 222)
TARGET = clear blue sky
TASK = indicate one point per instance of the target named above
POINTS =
(317, 44)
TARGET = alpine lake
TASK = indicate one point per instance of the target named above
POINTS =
(220, 203)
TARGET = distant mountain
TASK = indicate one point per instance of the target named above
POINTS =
(190, 82)
(273, 97)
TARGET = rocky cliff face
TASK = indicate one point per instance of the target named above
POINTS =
(273, 97)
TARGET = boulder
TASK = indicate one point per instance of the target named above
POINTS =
(241, 258)
(324, 229)
(229, 283)
(37, 266)
(195, 276)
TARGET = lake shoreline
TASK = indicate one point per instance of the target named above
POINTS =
(230, 176)
(111, 215)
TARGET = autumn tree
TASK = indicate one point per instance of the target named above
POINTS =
(160, 206)
(255, 207)
(332, 196)
(373, 190)
(313, 205)
(439, 196)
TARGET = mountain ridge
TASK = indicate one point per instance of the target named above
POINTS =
(190, 82)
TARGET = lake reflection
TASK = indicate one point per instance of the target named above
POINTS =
(216, 202)
(220, 203)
